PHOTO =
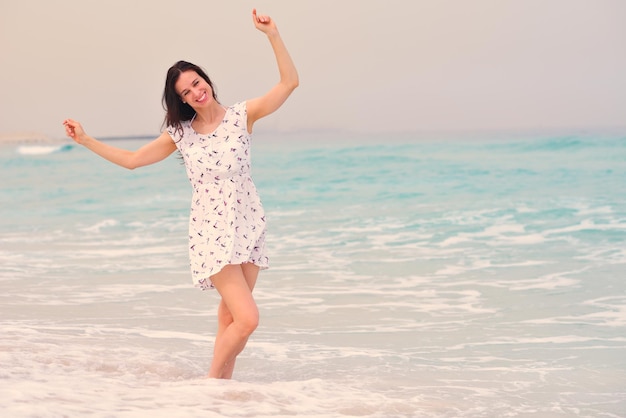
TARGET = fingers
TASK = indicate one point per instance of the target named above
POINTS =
(259, 19)
(69, 126)
(72, 128)
(70, 122)
(69, 130)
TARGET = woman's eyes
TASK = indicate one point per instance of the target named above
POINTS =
(194, 84)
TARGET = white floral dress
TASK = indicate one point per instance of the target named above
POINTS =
(227, 221)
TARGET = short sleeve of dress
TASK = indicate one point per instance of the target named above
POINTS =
(174, 133)
(241, 109)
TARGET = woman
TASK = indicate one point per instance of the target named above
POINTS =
(227, 223)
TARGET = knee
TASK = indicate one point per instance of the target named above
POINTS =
(248, 323)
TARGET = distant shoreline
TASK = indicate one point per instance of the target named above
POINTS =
(26, 137)
(323, 135)
(39, 138)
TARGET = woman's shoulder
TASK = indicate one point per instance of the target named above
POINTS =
(177, 132)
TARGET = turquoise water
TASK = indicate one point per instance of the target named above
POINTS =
(466, 277)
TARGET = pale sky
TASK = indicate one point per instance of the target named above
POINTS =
(368, 65)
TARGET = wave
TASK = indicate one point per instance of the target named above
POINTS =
(567, 143)
(43, 149)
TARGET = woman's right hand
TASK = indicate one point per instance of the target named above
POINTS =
(74, 130)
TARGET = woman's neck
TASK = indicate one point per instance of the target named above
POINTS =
(210, 115)
(207, 120)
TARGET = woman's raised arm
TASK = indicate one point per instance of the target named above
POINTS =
(273, 99)
(150, 153)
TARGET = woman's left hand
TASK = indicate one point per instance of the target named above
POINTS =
(263, 23)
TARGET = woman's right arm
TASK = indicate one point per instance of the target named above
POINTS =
(150, 153)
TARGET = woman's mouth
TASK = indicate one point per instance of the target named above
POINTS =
(202, 98)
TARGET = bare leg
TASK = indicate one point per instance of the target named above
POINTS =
(238, 316)
(251, 273)
(224, 319)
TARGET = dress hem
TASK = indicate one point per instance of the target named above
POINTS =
(206, 284)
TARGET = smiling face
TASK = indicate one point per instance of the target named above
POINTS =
(193, 89)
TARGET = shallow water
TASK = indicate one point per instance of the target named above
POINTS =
(422, 278)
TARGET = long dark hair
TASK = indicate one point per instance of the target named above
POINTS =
(176, 111)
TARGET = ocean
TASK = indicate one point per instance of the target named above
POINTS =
(411, 276)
